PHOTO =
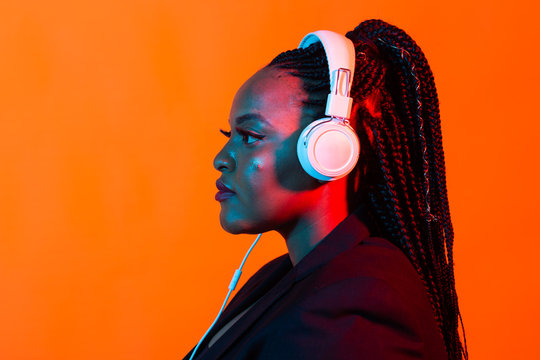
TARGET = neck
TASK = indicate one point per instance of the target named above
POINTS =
(307, 231)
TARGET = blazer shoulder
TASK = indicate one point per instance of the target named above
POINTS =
(373, 257)
(377, 269)
(375, 286)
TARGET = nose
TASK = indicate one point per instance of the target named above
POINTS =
(224, 160)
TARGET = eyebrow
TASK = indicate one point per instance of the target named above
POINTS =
(251, 116)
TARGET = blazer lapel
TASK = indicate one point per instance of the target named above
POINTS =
(250, 317)
(270, 285)
(255, 288)
(266, 287)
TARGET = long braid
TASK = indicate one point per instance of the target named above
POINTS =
(439, 238)
(414, 85)
(403, 179)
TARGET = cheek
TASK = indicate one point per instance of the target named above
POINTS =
(259, 174)
(264, 191)
(252, 176)
(289, 171)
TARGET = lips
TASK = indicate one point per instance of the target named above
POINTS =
(224, 192)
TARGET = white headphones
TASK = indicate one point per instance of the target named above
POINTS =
(328, 148)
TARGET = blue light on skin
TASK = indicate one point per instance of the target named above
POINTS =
(259, 163)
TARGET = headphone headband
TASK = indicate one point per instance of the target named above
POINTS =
(341, 60)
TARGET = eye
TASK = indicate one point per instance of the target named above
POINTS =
(226, 133)
(248, 137)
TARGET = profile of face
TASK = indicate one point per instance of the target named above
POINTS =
(258, 163)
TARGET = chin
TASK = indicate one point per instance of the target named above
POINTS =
(239, 227)
(232, 227)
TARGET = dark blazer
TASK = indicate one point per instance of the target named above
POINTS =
(352, 297)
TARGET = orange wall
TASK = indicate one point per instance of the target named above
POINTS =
(110, 245)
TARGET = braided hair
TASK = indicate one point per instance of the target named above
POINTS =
(400, 175)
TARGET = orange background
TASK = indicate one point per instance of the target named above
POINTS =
(110, 244)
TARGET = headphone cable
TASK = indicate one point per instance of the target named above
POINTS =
(232, 286)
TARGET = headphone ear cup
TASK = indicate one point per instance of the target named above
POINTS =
(328, 149)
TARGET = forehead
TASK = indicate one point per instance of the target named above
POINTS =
(273, 95)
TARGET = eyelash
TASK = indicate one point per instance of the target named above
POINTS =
(245, 134)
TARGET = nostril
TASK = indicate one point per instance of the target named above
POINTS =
(223, 166)
(224, 160)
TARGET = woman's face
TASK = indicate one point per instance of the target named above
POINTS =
(259, 162)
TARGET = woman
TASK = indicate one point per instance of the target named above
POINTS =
(369, 269)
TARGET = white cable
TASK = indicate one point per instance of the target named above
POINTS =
(232, 286)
